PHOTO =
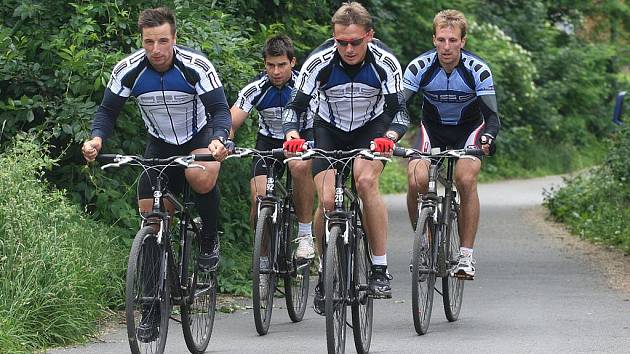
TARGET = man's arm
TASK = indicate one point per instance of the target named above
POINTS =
(489, 109)
(296, 107)
(218, 112)
(238, 117)
(103, 123)
(397, 115)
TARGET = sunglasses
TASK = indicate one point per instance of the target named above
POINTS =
(353, 42)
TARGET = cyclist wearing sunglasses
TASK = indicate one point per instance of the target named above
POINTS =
(459, 109)
(356, 81)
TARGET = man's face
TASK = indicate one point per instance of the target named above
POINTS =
(279, 69)
(158, 44)
(352, 42)
(449, 43)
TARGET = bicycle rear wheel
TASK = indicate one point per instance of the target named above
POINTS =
(147, 296)
(362, 306)
(335, 292)
(263, 283)
(422, 273)
(452, 287)
(199, 304)
(296, 280)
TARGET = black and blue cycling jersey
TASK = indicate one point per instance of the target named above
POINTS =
(270, 102)
(453, 98)
(175, 105)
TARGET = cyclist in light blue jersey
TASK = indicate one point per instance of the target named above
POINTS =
(459, 109)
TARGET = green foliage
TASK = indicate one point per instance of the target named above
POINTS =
(596, 205)
(59, 271)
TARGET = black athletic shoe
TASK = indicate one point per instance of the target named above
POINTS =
(318, 301)
(379, 283)
(209, 261)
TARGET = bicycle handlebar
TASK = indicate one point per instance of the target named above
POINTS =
(452, 153)
(117, 160)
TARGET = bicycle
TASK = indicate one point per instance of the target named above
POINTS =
(347, 259)
(436, 240)
(276, 228)
(163, 270)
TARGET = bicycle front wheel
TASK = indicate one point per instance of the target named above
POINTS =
(199, 304)
(263, 281)
(296, 280)
(422, 273)
(335, 292)
(362, 306)
(452, 287)
(147, 295)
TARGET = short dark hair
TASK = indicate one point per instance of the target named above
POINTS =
(278, 46)
(352, 13)
(156, 17)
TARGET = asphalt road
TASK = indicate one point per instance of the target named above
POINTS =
(530, 295)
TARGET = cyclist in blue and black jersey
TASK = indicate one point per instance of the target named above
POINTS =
(459, 109)
(269, 93)
(357, 82)
(184, 108)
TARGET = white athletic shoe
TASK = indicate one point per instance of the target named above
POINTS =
(305, 249)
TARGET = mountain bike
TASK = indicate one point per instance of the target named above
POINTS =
(347, 259)
(274, 238)
(162, 269)
(436, 239)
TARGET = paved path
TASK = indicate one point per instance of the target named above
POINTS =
(531, 295)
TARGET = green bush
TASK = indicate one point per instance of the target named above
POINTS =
(59, 271)
(596, 205)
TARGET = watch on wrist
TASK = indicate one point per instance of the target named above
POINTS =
(391, 136)
(221, 139)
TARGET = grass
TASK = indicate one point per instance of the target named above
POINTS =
(59, 271)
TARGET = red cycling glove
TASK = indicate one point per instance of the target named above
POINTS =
(382, 145)
(294, 145)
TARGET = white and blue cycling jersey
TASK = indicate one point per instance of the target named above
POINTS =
(451, 99)
(175, 105)
(270, 102)
(349, 97)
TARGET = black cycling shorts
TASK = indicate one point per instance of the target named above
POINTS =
(328, 137)
(157, 148)
(264, 143)
(433, 135)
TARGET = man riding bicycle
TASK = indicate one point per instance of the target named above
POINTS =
(357, 82)
(184, 108)
(459, 109)
(269, 94)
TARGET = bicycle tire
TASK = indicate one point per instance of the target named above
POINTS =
(263, 303)
(452, 287)
(296, 280)
(199, 305)
(334, 292)
(145, 250)
(422, 274)
(363, 305)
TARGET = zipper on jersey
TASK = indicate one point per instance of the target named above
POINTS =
(166, 106)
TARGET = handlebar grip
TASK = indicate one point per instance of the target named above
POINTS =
(278, 153)
(106, 157)
(204, 157)
(473, 152)
(400, 151)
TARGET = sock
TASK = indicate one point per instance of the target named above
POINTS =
(380, 260)
(208, 207)
(305, 229)
(466, 251)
